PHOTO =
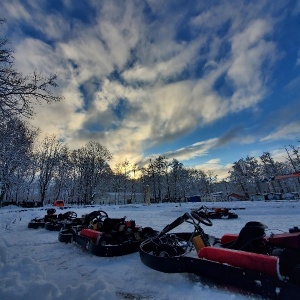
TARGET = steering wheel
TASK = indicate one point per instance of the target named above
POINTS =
(101, 214)
(201, 217)
(71, 215)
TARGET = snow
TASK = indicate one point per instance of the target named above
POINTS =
(35, 265)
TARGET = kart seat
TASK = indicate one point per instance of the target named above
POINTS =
(110, 224)
(89, 217)
(249, 239)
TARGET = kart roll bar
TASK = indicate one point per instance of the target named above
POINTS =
(174, 224)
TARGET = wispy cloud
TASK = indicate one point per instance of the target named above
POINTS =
(289, 131)
(199, 149)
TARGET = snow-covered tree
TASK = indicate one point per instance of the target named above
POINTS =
(16, 144)
(48, 159)
(91, 167)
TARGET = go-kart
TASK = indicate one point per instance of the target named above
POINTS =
(218, 213)
(69, 217)
(269, 266)
(40, 222)
(105, 236)
(89, 220)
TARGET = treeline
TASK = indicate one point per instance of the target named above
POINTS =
(48, 170)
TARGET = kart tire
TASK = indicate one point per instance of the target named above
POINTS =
(166, 250)
(287, 262)
(53, 226)
(35, 225)
(232, 216)
(66, 236)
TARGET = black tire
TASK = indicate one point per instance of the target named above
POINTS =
(66, 236)
(232, 216)
(53, 226)
(68, 225)
(36, 225)
(166, 250)
(288, 260)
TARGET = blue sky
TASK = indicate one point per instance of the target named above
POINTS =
(205, 83)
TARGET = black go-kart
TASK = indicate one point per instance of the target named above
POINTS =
(265, 265)
(40, 222)
(218, 213)
(105, 236)
(62, 220)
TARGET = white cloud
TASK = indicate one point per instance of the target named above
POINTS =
(289, 131)
(167, 64)
(15, 10)
(250, 51)
(215, 167)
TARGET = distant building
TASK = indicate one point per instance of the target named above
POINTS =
(236, 197)
(290, 196)
(213, 197)
(119, 198)
(194, 199)
(257, 197)
(273, 196)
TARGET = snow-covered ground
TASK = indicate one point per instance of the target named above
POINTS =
(35, 265)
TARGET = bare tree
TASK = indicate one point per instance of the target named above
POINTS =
(175, 176)
(159, 165)
(62, 173)
(48, 159)
(254, 173)
(237, 177)
(296, 160)
(91, 163)
(18, 93)
(16, 144)
(271, 169)
(197, 182)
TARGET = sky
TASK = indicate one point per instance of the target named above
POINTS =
(203, 82)
(35, 265)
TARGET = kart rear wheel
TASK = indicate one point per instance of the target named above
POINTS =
(66, 236)
(36, 225)
(166, 250)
